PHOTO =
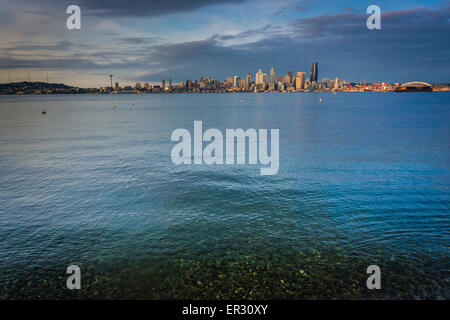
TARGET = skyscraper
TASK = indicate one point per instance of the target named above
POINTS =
(290, 76)
(189, 84)
(313, 75)
(272, 79)
(248, 80)
(259, 77)
(300, 81)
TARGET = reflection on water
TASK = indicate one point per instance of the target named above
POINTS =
(363, 179)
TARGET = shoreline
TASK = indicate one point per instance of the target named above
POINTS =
(229, 92)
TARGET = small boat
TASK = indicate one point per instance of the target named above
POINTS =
(320, 100)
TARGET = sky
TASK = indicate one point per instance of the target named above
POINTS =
(147, 41)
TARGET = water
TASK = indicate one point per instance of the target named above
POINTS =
(363, 179)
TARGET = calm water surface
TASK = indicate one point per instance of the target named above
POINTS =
(363, 179)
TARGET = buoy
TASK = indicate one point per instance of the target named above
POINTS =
(44, 112)
(320, 100)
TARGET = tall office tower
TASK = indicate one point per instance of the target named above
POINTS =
(290, 76)
(265, 78)
(110, 77)
(272, 78)
(287, 79)
(248, 80)
(259, 77)
(163, 83)
(138, 85)
(313, 75)
(298, 85)
(300, 81)
(279, 78)
(235, 81)
(146, 85)
(170, 82)
(241, 83)
(116, 86)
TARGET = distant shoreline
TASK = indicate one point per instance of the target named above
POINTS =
(218, 92)
(43, 88)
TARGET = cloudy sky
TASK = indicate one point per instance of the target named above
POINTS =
(146, 40)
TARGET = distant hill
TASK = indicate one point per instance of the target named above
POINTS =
(25, 86)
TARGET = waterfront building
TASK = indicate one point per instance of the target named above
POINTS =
(272, 79)
(241, 83)
(189, 85)
(290, 77)
(336, 84)
(259, 78)
(248, 80)
(314, 72)
(280, 85)
(300, 81)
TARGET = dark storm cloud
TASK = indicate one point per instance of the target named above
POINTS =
(62, 63)
(400, 23)
(120, 8)
(190, 60)
(267, 30)
(412, 44)
(26, 46)
(146, 8)
(139, 40)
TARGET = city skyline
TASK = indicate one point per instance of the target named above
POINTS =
(173, 40)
